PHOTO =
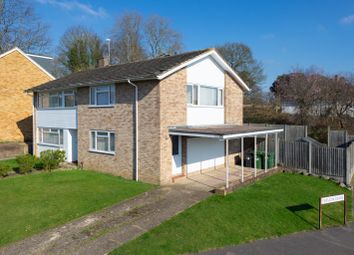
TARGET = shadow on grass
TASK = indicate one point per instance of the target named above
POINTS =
(297, 209)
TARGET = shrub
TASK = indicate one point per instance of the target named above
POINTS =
(25, 163)
(38, 164)
(4, 169)
(51, 159)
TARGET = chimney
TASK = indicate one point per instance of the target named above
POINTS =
(103, 62)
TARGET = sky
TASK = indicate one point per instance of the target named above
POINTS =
(283, 35)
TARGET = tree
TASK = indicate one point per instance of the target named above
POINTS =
(21, 27)
(239, 56)
(161, 38)
(79, 49)
(127, 39)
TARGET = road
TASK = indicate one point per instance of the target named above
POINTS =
(331, 241)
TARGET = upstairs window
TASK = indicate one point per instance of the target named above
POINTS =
(200, 95)
(52, 136)
(102, 95)
(59, 99)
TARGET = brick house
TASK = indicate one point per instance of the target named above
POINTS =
(19, 71)
(150, 120)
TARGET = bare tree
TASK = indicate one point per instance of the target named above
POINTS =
(161, 38)
(239, 56)
(127, 44)
(21, 27)
(79, 49)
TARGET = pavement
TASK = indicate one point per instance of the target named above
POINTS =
(330, 241)
(101, 232)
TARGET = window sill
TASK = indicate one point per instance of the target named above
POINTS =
(103, 152)
(50, 145)
(101, 106)
(206, 106)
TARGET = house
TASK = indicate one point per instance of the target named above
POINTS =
(19, 71)
(150, 120)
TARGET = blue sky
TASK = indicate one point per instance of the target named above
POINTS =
(282, 34)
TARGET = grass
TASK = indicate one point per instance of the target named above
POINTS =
(10, 162)
(33, 203)
(281, 204)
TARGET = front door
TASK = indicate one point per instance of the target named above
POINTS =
(176, 155)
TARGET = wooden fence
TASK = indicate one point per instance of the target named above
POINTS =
(291, 132)
(319, 160)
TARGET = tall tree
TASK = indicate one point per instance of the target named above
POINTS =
(79, 49)
(240, 58)
(161, 38)
(127, 39)
(21, 27)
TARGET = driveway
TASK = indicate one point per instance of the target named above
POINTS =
(338, 241)
(101, 232)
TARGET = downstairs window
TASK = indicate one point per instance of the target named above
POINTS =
(102, 141)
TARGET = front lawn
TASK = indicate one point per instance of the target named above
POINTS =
(279, 205)
(36, 202)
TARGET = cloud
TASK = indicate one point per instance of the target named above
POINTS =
(347, 20)
(268, 36)
(76, 5)
(321, 28)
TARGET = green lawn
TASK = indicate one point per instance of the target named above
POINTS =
(279, 205)
(33, 203)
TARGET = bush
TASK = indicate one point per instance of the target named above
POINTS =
(25, 163)
(38, 164)
(4, 169)
(50, 159)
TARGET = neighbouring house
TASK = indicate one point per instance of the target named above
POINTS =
(150, 120)
(18, 72)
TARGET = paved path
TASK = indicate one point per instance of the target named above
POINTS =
(331, 241)
(101, 232)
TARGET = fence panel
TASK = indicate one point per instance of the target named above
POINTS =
(329, 161)
(337, 138)
(294, 154)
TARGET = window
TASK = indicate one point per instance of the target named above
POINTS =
(102, 95)
(208, 96)
(53, 136)
(60, 99)
(192, 94)
(175, 144)
(102, 141)
(205, 95)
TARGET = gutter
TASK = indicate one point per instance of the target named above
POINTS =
(136, 115)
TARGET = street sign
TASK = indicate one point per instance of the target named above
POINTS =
(329, 200)
(332, 199)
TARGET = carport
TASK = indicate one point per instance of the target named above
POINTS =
(229, 133)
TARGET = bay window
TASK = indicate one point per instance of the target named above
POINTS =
(200, 95)
(102, 141)
(102, 95)
(51, 136)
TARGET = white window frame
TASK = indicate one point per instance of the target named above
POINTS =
(109, 141)
(220, 103)
(62, 94)
(110, 89)
(59, 131)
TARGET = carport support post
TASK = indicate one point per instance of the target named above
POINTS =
(266, 154)
(227, 164)
(242, 157)
(276, 150)
(255, 156)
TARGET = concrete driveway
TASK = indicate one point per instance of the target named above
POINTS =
(338, 241)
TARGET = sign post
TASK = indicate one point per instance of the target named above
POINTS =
(330, 200)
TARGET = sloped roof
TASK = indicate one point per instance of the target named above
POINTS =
(47, 63)
(152, 69)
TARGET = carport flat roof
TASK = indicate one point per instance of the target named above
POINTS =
(222, 131)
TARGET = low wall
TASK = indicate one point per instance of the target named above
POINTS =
(11, 150)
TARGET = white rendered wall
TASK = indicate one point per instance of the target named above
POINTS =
(58, 118)
(205, 72)
(203, 153)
